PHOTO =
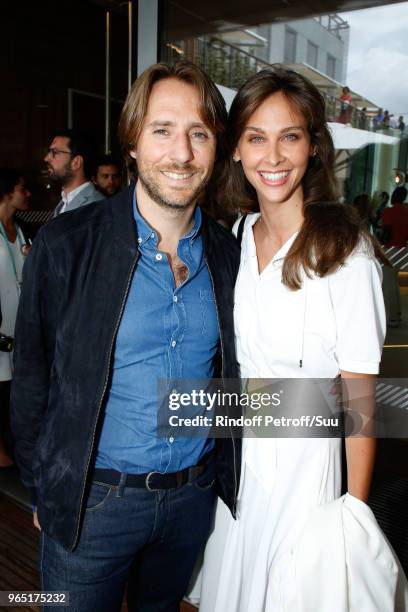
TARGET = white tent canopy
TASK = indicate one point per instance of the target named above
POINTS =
(349, 138)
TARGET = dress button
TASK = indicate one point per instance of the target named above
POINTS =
(173, 344)
(159, 257)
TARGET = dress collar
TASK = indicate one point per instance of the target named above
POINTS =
(280, 254)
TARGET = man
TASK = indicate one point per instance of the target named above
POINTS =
(378, 119)
(107, 178)
(69, 162)
(395, 219)
(115, 297)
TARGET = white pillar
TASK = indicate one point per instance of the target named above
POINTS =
(147, 34)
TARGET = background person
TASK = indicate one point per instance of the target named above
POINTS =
(70, 160)
(378, 119)
(14, 196)
(381, 199)
(362, 204)
(392, 301)
(362, 119)
(387, 120)
(345, 106)
(395, 219)
(108, 177)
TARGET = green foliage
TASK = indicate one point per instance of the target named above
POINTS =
(225, 65)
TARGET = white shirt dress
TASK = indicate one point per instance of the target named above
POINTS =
(331, 324)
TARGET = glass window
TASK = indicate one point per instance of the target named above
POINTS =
(290, 46)
(331, 66)
(312, 50)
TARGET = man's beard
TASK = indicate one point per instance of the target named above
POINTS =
(156, 194)
(108, 193)
(63, 177)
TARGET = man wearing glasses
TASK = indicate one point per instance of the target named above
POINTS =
(69, 161)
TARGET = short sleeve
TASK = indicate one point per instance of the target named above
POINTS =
(358, 305)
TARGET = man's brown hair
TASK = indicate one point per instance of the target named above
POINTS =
(212, 105)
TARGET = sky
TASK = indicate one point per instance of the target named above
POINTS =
(378, 55)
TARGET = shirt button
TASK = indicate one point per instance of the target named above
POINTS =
(159, 257)
(152, 235)
(175, 299)
(171, 439)
(140, 240)
(173, 344)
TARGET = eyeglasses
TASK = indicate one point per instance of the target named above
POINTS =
(54, 152)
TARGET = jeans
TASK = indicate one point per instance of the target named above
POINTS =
(145, 540)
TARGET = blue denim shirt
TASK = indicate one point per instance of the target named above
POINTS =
(165, 333)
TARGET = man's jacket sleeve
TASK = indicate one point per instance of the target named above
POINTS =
(33, 357)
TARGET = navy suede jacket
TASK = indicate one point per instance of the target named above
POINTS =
(75, 283)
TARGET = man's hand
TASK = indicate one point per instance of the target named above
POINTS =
(35, 521)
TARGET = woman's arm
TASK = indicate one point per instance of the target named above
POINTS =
(361, 447)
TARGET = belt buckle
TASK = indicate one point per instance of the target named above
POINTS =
(148, 487)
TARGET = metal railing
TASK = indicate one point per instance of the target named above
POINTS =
(226, 64)
(231, 66)
(350, 115)
(357, 118)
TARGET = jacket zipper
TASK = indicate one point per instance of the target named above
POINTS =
(222, 376)
(115, 331)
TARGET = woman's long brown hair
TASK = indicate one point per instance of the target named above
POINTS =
(330, 230)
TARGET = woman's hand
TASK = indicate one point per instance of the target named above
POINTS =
(361, 447)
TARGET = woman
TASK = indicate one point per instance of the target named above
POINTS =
(13, 196)
(308, 304)
(345, 106)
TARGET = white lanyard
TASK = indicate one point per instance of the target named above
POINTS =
(11, 256)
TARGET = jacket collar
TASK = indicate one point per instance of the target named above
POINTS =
(79, 191)
(124, 226)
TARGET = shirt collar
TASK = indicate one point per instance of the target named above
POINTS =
(145, 232)
(197, 225)
(68, 197)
